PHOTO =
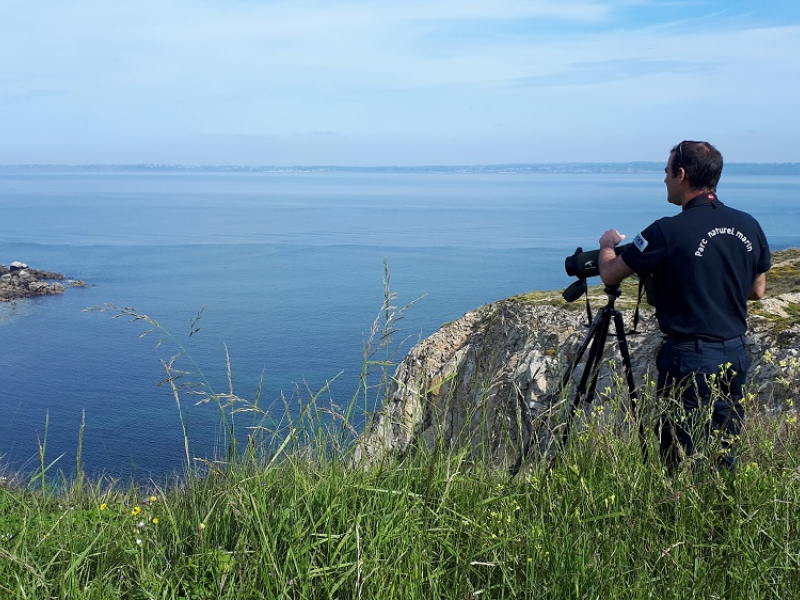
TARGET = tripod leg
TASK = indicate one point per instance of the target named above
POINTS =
(627, 366)
(595, 359)
(589, 342)
(585, 344)
(597, 338)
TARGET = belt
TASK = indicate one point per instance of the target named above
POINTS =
(733, 343)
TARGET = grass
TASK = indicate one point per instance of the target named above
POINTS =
(598, 523)
(289, 515)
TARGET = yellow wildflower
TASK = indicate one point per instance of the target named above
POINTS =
(136, 510)
(155, 520)
(103, 506)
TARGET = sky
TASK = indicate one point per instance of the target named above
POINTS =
(396, 82)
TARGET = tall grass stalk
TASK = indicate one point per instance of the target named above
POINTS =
(380, 351)
(39, 478)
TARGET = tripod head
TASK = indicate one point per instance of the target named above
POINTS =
(612, 292)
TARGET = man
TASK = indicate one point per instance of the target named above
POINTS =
(705, 263)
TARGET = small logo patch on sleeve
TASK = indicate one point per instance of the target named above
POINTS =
(640, 242)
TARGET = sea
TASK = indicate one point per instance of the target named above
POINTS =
(267, 285)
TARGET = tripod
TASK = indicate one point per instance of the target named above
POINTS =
(594, 341)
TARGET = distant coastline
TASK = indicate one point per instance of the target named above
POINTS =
(566, 168)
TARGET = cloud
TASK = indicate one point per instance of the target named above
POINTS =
(217, 48)
(588, 73)
(415, 70)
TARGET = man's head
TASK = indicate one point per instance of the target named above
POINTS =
(701, 163)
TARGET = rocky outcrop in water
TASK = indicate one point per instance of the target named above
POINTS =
(492, 380)
(20, 281)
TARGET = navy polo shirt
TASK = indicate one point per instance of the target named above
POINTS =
(703, 262)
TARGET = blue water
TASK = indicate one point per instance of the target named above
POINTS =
(289, 270)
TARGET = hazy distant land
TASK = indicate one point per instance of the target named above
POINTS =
(569, 168)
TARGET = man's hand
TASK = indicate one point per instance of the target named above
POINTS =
(611, 238)
(612, 268)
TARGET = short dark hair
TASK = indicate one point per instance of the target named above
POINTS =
(701, 162)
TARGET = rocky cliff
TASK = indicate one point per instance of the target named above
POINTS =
(492, 380)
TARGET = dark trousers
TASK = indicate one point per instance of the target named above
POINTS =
(700, 385)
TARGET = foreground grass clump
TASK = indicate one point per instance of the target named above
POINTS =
(598, 523)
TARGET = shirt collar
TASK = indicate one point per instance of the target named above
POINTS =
(702, 199)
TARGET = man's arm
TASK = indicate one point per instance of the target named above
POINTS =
(759, 287)
(612, 268)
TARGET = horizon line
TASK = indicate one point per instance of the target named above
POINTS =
(563, 166)
(342, 166)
